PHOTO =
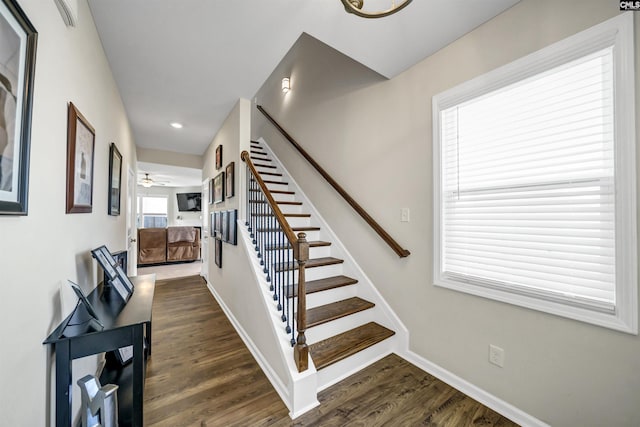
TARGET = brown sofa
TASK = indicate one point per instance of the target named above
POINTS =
(171, 244)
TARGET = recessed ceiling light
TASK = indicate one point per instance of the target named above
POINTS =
(176, 125)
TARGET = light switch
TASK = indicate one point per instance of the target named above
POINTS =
(404, 215)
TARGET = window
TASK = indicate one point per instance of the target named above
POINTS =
(534, 176)
(154, 211)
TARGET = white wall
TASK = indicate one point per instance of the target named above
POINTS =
(175, 217)
(376, 141)
(44, 249)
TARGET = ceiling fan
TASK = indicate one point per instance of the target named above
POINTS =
(148, 182)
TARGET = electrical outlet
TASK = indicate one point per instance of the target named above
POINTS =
(496, 355)
(404, 215)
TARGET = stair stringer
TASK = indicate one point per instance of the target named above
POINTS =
(299, 393)
(382, 312)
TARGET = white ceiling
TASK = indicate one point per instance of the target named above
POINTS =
(169, 176)
(190, 60)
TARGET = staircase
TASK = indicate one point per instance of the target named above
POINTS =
(342, 327)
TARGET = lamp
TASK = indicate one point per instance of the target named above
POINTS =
(356, 7)
(286, 85)
(146, 181)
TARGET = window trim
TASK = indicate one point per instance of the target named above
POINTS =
(619, 32)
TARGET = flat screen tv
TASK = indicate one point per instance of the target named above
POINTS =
(189, 202)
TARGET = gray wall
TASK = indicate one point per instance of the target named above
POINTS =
(374, 137)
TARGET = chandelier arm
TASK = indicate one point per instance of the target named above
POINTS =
(350, 8)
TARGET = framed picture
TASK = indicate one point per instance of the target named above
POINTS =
(18, 40)
(213, 224)
(218, 225)
(218, 188)
(211, 191)
(232, 236)
(224, 235)
(115, 174)
(218, 253)
(230, 181)
(219, 157)
(81, 138)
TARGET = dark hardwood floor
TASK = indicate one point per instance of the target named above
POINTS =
(202, 375)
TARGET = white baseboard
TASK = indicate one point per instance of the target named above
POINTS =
(500, 406)
(280, 388)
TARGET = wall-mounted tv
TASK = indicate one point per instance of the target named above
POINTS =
(189, 202)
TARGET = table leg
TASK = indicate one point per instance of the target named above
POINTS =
(138, 376)
(63, 383)
(148, 331)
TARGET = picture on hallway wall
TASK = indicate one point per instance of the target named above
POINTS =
(218, 253)
(115, 174)
(219, 157)
(81, 139)
(218, 188)
(230, 180)
(224, 235)
(18, 39)
(232, 235)
(218, 225)
(212, 226)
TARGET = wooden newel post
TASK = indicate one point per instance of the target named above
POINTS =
(301, 350)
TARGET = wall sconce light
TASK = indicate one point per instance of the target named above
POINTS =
(286, 85)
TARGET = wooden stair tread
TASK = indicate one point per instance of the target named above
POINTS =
(280, 202)
(266, 181)
(323, 284)
(294, 215)
(326, 313)
(260, 153)
(271, 173)
(312, 244)
(273, 191)
(259, 165)
(334, 349)
(312, 263)
(262, 159)
(271, 229)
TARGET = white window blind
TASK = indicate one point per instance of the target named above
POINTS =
(534, 180)
(528, 178)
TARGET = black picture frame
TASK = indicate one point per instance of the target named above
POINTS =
(211, 191)
(115, 179)
(230, 183)
(16, 89)
(232, 236)
(218, 224)
(117, 277)
(218, 188)
(218, 157)
(224, 234)
(218, 252)
(81, 141)
(212, 229)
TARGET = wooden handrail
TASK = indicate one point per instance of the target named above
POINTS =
(359, 209)
(286, 228)
(301, 255)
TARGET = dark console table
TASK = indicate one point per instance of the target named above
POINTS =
(124, 325)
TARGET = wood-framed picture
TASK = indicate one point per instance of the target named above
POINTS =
(211, 191)
(219, 157)
(115, 176)
(217, 228)
(230, 182)
(212, 228)
(218, 253)
(18, 41)
(81, 138)
(218, 188)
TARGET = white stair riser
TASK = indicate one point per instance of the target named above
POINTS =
(314, 252)
(283, 197)
(314, 273)
(317, 299)
(338, 326)
(290, 208)
(294, 221)
(273, 237)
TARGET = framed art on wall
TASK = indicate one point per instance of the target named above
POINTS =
(81, 138)
(224, 235)
(219, 157)
(232, 236)
(115, 174)
(230, 181)
(218, 253)
(218, 188)
(18, 40)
